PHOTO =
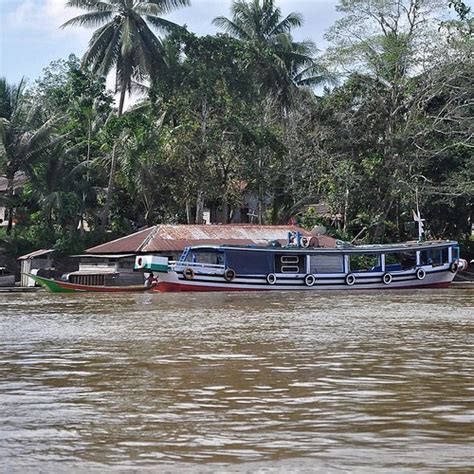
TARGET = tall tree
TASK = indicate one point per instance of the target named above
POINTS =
(124, 41)
(260, 24)
(384, 45)
(282, 67)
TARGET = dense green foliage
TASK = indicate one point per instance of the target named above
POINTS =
(241, 117)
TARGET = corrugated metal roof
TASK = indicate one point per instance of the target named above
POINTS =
(174, 238)
(36, 253)
(128, 244)
(114, 255)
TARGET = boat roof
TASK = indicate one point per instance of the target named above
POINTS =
(343, 247)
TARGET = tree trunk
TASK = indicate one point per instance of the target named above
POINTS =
(260, 204)
(113, 166)
(189, 212)
(110, 189)
(346, 208)
(84, 192)
(122, 100)
(200, 207)
(10, 194)
(225, 210)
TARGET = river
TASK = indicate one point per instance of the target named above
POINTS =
(266, 382)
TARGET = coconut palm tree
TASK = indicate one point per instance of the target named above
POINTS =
(283, 62)
(125, 40)
(258, 21)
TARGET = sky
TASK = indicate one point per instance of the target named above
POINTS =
(30, 37)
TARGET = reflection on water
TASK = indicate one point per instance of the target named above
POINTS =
(287, 381)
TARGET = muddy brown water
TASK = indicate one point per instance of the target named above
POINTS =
(249, 382)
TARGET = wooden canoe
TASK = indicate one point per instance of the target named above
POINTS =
(56, 286)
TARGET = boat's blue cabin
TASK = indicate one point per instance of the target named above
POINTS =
(298, 261)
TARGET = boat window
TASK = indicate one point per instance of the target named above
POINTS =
(248, 262)
(455, 252)
(290, 263)
(434, 257)
(326, 264)
(400, 261)
(365, 263)
(213, 258)
(290, 269)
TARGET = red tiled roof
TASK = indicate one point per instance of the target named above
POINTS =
(174, 238)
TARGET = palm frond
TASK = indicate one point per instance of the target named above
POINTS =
(164, 25)
(89, 19)
(90, 5)
(160, 7)
(293, 20)
(272, 21)
(101, 41)
(231, 27)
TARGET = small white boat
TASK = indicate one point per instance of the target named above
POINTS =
(299, 266)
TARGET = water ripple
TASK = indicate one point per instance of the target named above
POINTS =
(363, 382)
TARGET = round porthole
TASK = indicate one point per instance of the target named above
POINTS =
(350, 279)
(229, 274)
(387, 278)
(271, 278)
(309, 280)
(420, 274)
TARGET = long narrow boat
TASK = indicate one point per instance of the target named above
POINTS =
(57, 286)
(299, 266)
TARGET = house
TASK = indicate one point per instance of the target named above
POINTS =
(37, 262)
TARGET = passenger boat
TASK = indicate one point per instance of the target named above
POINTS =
(57, 286)
(299, 265)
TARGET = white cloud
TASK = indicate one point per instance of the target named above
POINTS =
(44, 16)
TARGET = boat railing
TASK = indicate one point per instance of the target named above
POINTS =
(179, 265)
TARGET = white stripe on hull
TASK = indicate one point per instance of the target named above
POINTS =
(438, 276)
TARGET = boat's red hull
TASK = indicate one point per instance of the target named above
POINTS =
(167, 287)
